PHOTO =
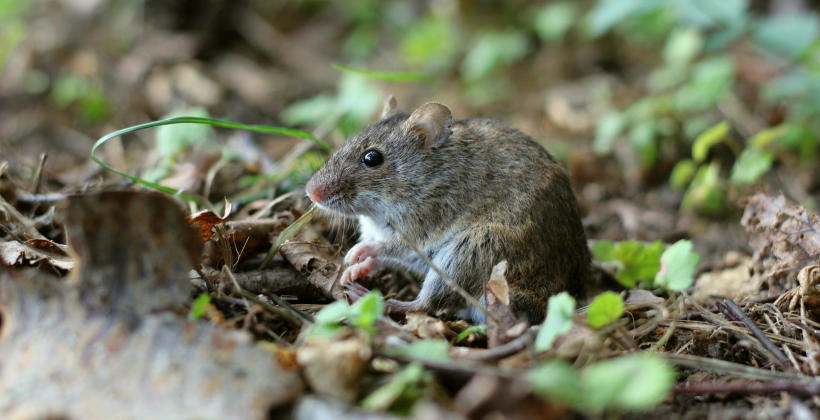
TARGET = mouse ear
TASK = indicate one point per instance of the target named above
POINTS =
(390, 107)
(432, 122)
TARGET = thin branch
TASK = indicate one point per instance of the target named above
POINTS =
(700, 388)
(738, 313)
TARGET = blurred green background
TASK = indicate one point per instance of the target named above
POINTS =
(698, 102)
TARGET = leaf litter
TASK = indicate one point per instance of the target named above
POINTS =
(135, 263)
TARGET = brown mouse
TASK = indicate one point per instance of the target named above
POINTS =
(469, 194)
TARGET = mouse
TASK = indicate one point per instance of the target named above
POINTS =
(468, 194)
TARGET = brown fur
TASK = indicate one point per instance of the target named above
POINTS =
(485, 192)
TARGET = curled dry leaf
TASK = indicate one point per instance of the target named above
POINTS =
(807, 292)
(312, 255)
(205, 220)
(32, 253)
(500, 330)
(785, 238)
(425, 326)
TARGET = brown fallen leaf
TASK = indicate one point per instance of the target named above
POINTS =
(101, 345)
(314, 256)
(501, 328)
(205, 220)
(334, 367)
(16, 254)
(785, 238)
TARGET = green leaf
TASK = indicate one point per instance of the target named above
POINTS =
(640, 262)
(480, 329)
(711, 80)
(682, 46)
(553, 20)
(309, 111)
(709, 138)
(682, 174)
(400, 383)
(642, 138)
(198, 307)
(491, 51)
(603, 250)
(608, 13)
(606, 308)
(767, 136)
(632, 382)
(560, 315)
(388, 76)
(787, 34)
(434, 350)
(751, 165)
(333, 313)
(607, 131)
(431, 42)
(678, 264)
(709, 14)
(367, 310)
(705, 193)
(557, 380)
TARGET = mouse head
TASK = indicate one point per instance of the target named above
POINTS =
(384, 168)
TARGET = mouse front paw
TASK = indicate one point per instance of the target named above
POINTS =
(359, 271)
(362, 250)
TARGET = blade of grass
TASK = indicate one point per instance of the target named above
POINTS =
(288, 233)
(388, 76)
(194, 120)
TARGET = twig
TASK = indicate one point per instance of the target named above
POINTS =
(722, 366)
(38, 176)
(447, 279)
(700, 388)
(519, 343)
(675, 316)
(454, 367)
(287, 314)
(738, 313)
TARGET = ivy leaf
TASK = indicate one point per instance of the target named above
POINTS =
(333, 313)
(678, 264)
(367, 311)
(603, 250)
(607, 307)
(633, 382)
(386, 395)
(560, 314)
(640, 262)
(558, 380)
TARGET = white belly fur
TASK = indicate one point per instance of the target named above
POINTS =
(369, 232)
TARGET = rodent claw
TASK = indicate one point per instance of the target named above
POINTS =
(355, 291)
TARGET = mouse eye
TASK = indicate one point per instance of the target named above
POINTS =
(372, 158)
